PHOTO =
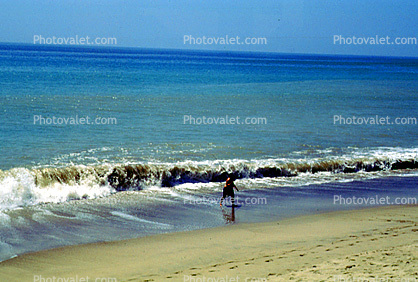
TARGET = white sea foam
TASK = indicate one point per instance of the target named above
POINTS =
(134, 218)
(23, 187)
(18, 189)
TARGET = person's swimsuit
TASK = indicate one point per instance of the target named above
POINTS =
(228, 190)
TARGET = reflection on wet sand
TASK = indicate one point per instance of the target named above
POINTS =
(229, 217)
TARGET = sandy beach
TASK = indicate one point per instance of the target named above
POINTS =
(363, 244)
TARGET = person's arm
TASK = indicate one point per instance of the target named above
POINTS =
(236, 188)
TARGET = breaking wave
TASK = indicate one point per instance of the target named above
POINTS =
(23, 186)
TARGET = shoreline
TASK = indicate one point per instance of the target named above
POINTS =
(375, 241)
(138, 214)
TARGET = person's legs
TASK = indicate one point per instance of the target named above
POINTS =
(225, 195)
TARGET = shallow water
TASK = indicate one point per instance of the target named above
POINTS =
(140, 213)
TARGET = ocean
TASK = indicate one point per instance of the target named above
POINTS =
(104, 144)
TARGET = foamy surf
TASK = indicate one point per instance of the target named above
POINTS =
(24, 186)
(137, 219)
(21, 187)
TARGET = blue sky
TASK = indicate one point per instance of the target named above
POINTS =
(292, 26)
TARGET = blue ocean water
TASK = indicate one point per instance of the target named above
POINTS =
(148, 153)
(150, 91)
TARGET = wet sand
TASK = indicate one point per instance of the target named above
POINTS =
(369, 243)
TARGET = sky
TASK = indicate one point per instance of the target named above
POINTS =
(283, 26)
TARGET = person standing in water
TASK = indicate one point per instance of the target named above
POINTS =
(229, 191)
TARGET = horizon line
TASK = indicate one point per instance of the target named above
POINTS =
(200, 50)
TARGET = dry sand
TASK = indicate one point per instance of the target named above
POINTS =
(370, 243)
